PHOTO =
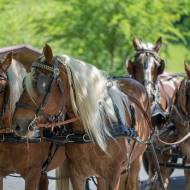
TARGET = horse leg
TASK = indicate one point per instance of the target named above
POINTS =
(111, 184)
(101, 184)
(132, 182)
(32, 179)
(187, 177)
(186, 151)
(1, 182)
(62, 172)
(78, 182)
(43, 184)
(114, 184)
(166, 172)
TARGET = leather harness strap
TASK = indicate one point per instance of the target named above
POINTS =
(54, 124)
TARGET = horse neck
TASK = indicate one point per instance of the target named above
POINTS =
(162, 95)
(180, 101)
(169, 89)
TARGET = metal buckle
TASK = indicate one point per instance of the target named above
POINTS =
(67, 137)
(3, 138)
(186, 123)
(86, 138)
(56, 72)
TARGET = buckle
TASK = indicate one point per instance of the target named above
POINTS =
(56, 72)
(86, 138)
(186, 123)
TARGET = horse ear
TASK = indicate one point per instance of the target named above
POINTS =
(161, 67)
(187, 70)
(137, 44)
(47, 51)
(7, 61)
(158, 44)
(130, 67)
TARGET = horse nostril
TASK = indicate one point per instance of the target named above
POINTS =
(17, 128)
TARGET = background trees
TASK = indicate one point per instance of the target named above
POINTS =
(99, 32)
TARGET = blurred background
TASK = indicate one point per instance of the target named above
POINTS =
(99, 32)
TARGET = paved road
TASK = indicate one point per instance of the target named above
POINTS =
(177, 181)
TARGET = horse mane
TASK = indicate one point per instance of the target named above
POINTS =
(16, 73)
(92, 99)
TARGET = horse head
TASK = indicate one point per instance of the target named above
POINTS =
(147, 65)
(44, 96)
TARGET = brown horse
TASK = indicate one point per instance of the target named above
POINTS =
(181, 118)
(74, 88)
(16, 155)
(148, 68)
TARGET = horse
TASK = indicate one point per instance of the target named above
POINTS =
(100, 111)
(17, 155)
(147, 67)
(181, 118)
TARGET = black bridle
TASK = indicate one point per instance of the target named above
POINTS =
(39, 110)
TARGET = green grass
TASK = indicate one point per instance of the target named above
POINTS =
(175, 56)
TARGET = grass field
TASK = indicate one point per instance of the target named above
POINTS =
(175, 56)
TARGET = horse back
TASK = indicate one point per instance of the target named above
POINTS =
(169, 84)
(135, 89)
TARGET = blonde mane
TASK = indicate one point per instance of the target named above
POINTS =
(16, 73)
(92, 97)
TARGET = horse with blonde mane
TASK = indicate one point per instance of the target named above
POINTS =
(18, 155)
(105, 121)
(147, 67)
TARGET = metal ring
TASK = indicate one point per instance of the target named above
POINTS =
(56, 72)
(86, 138)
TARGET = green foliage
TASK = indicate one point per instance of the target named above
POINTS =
(99, 32)
(175, 57)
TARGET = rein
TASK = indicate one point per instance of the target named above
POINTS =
(54, 124)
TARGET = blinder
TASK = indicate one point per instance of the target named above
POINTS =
(43, 83)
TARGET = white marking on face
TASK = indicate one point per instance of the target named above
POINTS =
(148, 74)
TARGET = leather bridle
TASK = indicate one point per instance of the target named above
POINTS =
(39, 110)
(158, 60)
(3, 76)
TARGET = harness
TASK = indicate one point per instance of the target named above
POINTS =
(55, 120)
